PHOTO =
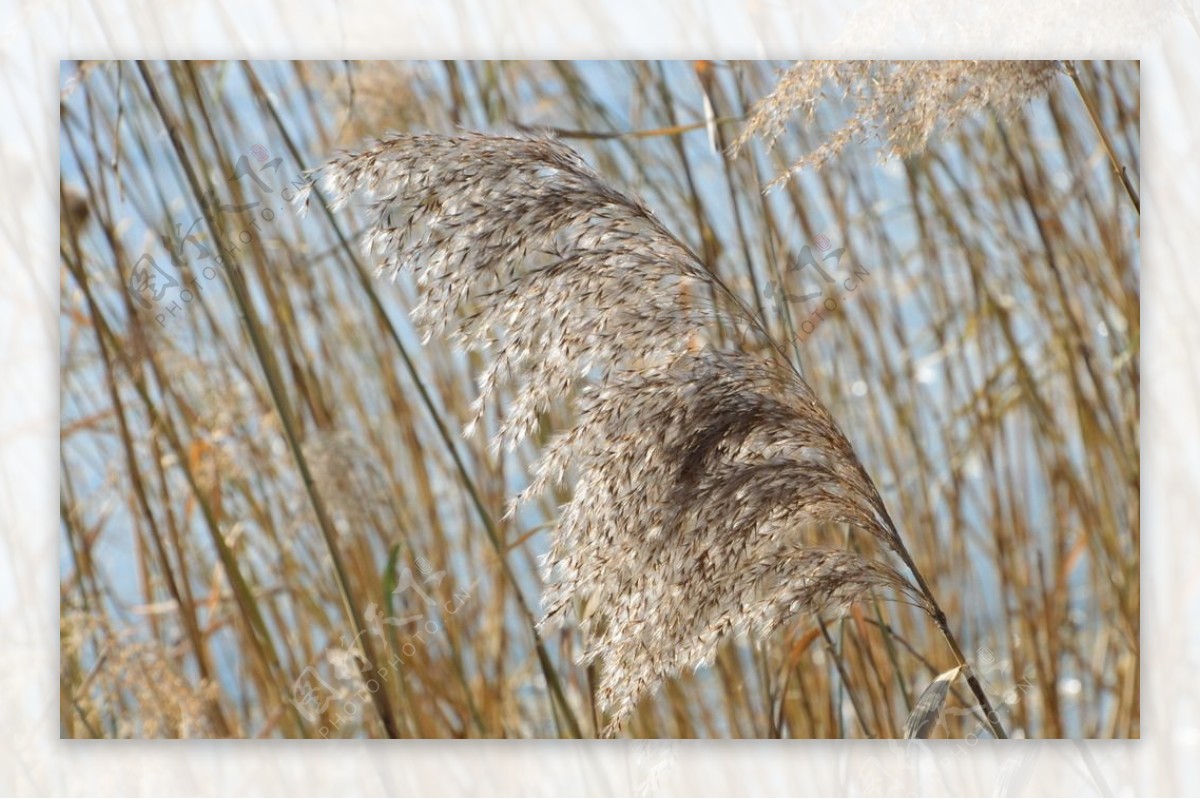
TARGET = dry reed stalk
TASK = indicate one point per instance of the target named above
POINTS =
(989, 376)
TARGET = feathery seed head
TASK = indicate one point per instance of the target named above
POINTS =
(902, 103)
(694, 469)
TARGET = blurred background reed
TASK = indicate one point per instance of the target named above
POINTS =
(271, 526)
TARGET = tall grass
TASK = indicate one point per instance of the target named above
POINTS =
(272, 527)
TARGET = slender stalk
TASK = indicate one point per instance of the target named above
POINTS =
(1094, 116)
(275, 384)
(260, 635)
(837, 657)
(939, 618)
(493, 533)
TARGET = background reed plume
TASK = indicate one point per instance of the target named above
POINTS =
(899, 103)
(694, 470)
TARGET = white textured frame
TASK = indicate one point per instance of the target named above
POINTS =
(36, 34)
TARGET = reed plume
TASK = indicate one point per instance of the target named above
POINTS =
(699, 468)
(900, 103)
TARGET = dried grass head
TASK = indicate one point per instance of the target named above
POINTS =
(900, 103)
(695, 468)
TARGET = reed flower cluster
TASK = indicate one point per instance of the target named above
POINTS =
(899, 103)
(697, 470)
